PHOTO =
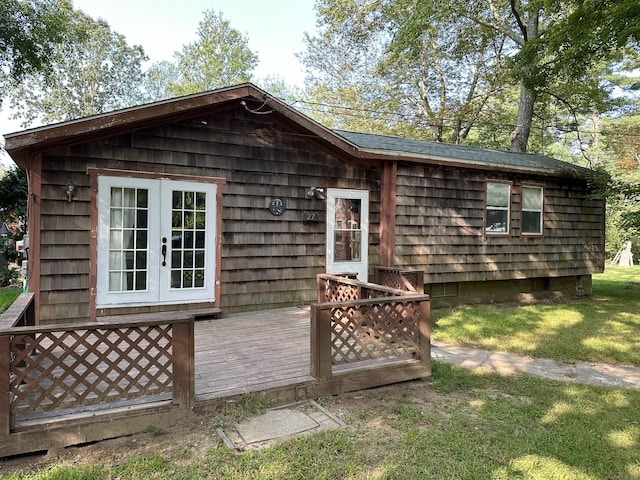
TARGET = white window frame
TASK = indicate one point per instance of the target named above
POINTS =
(361, 266)
(539, 210)
(497, 208)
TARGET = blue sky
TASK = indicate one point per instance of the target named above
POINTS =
(275, 29)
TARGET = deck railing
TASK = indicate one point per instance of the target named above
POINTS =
(401, 278)
(20, 313)
(66, 368)
(357, 324)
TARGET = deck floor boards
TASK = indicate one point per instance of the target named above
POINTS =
(251, 352)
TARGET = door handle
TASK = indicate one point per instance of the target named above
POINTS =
(164, 251)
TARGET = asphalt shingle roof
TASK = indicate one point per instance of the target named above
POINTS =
(447, 152)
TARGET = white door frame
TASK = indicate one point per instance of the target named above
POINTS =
(158, 289)
(361, 264)
(207, 291)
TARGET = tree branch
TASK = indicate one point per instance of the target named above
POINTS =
(519, 21)
(499, 26)
(573, 113)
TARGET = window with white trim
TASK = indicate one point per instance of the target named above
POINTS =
(498, 208)
(532, 201)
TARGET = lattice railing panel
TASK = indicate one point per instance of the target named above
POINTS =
(340, 292)
(391, 279)
(374, 293)
(375, 331)
(400, 279)
(70, 368)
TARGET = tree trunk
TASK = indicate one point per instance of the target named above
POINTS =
(520, 136)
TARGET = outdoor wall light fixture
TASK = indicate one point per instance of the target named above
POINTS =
(315, 192)
(71, 189)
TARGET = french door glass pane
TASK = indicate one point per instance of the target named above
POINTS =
(156, 241)
(128, 239)
(188, 238)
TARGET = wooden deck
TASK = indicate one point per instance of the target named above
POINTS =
(70, 384)
(251, 352)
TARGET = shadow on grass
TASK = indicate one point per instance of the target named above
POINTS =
(523, 427)
(458, 424)
(602, 328)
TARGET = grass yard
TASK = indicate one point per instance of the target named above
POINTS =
(456, 425)
(605, 328)
(8, 296)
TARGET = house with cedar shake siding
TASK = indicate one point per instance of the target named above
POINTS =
(232, 200)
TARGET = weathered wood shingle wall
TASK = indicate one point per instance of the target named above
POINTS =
(440, 228)
(267, 261)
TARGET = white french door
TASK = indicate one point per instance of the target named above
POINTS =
(156, 241)
(348, 232)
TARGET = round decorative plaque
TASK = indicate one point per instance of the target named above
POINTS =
(276, 207)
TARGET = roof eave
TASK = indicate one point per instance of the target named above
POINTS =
(105, 123)
(461, 162)
(74, 131)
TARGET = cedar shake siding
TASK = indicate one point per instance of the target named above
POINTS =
(267, 261)
(427, 206)
(440, 229)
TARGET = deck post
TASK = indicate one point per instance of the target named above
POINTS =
(322, 289)
(425, 334)
(419, 281)
(183, 363)
(320, 342)
(5, 386)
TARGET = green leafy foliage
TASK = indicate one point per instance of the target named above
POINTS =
(13, 210)
(454, 68)
(99, 74)
(13, 195)
(158, 78)
(400, 68)
(220, 57)
(30, 31)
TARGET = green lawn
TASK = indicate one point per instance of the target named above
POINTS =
(457, 425)
(605, 328)
(7, 297)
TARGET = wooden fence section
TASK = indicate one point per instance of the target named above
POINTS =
(363, 334)
(58, 368)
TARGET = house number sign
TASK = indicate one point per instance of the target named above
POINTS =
(310, 216)
(277, 207)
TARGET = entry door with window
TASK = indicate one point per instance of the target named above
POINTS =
(156, 241)
(348, 231)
